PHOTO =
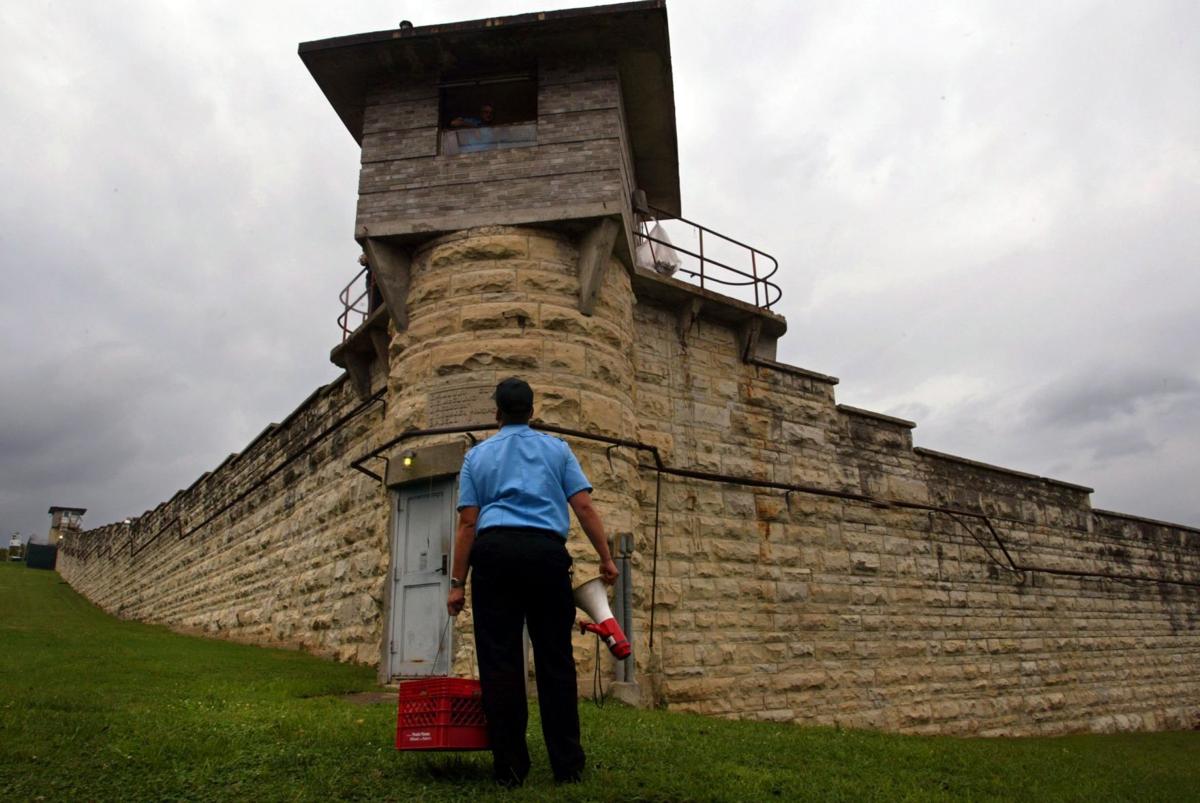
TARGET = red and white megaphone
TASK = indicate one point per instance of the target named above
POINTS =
(592, 598)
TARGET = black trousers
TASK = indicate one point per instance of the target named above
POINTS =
(521, 577)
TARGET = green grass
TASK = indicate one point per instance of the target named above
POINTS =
(93, 708)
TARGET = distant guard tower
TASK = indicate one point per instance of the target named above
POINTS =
(64, 521)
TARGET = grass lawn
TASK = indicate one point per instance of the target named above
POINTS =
(92, 708)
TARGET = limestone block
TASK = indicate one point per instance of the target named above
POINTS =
(727, 550)
(745, 467)
(609, 368)
(609, 333)
(367, 654)
(750, 424)
(600, 415)
(427, 289)
(428, 326)
(475, 249)
(499, 279)
(770, 507)
(499, 315)
(512, 354)
(792, 591)
(864, 562)
(829, 593)
(369, 562)
(544, 282)
(663, 441)
(569, 358)
(652, 370)
(553, 249)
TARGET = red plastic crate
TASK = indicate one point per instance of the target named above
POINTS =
(441, 714)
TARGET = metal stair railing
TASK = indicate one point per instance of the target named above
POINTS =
(355, 311)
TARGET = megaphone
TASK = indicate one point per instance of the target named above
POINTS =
(592, 599)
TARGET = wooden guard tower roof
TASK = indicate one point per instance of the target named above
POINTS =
(345, 67)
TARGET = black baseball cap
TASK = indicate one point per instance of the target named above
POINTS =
(514, 396)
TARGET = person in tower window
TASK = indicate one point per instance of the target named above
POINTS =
(482, 121)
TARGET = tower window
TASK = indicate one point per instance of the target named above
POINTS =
(483, 114)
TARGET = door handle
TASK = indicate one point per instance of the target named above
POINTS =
(445, 564)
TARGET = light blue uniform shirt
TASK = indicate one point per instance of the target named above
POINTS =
(521, 478)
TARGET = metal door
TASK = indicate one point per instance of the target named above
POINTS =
(422, 541)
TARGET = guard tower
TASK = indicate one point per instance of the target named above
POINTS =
(581, 118)
(509, 167)
(63, 522)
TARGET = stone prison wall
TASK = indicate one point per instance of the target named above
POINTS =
(768, 603)
(280, 544)
(795, 607)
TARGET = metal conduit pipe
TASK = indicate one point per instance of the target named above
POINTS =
(619, 605)
(626, 551)
(467, 429)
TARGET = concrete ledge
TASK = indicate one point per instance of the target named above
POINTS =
(677, 294)
(233, 456)
(358, 341)
(795, 370)
(195, 482)
(1112, 514)
(887, 419)
(310, 398)
(255, 442)
(1012, 472)
(405, 230)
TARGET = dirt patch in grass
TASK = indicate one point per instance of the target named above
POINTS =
(370, 697)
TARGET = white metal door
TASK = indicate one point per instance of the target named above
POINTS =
(422, 540)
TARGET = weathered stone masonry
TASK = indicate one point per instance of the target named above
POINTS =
(296, 559)
(788, 607)
(765, 602)
(812, 610)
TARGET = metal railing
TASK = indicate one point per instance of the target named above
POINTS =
(756, 275)
(355, 312)
(758, 267)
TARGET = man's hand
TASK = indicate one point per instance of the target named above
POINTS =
(456, 599)
(464, 539)
(608, 572)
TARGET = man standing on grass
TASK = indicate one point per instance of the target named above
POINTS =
(514, 490)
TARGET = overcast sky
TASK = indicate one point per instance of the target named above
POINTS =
(987, 217)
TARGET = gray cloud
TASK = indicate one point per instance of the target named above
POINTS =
(1101, 395)
(984, 216)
